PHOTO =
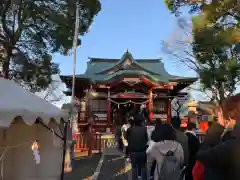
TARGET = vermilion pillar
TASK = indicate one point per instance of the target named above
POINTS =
(169, 110)
(108, 107)
(150, 105)
(169, 114)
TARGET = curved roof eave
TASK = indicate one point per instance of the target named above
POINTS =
(183, 79)
(127, 55)
(130, 73)
(118, 66)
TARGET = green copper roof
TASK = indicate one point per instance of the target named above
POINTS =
(151, 68)
(135, 72)
(155, 66)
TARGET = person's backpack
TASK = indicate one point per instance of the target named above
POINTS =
(170, 168)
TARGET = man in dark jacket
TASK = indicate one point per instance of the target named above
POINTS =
(193, 146)
(224, 159)
(211, 139)
(222, 162)
(137, 138)
(181, 137)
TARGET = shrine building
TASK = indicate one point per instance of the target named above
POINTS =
(112, 86)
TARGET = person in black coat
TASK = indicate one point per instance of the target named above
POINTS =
(211, 139)
(193, 147)
(137, 138)
(157, 134)
(224, 159)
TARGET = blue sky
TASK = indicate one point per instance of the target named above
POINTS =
(136, 25)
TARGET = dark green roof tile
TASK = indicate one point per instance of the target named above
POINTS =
(134, 72)
(152, 68)
(96, 67)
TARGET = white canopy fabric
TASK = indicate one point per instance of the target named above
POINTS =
(15, 101)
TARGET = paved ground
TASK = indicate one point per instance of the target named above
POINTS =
(83, 168)
(108, 166)
(113, 167)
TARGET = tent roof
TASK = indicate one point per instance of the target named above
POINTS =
(16, 102)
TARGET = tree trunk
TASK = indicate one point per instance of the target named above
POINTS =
(6, 63)
(221, 95)
(6, 68)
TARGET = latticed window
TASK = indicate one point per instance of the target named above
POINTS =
(99, 109)
(98, 105)
(82, 111)
(159, 107)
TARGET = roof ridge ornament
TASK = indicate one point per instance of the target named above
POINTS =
(127, 55)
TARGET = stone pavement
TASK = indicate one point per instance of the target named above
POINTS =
(113, 168)
(107, 166)
(83, 168)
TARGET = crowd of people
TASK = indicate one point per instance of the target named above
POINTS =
(173, 154)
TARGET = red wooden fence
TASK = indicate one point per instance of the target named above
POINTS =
(82, 143)
(96, 143)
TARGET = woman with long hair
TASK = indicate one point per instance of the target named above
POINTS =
(165, 137)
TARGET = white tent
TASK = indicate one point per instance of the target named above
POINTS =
(19, 110)
(18, 102)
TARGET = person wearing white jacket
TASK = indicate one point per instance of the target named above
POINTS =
(164, 140)
(124, 131)
(151, 143)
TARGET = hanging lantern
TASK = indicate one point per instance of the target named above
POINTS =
(36, 153)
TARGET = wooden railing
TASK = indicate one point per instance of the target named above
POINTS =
(82, 143)
(99, 141)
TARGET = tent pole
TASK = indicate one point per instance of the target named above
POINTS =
(64, 148)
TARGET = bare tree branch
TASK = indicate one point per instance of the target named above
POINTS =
(53, 92)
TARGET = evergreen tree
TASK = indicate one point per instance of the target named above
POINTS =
(32, 30)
